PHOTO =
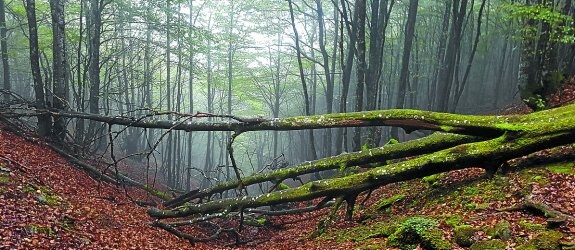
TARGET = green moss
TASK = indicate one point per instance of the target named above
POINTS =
(29, 189)
(548, 240)
(418, 230)
(282, 186)
(362, 233)
(155, 192)
(503, 230)
(562, 168)
(387, 202)
(43, 195)
(4, 178)
(36, 229)
(534, 227)
(488, 245)
(464, 235)
(453, 220)
(433, 180)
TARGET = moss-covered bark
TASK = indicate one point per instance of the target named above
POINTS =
(520, 135)
(377, 155)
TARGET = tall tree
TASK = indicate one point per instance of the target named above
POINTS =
(302, 78)
(4, 50)
(361, 67)
(60, 99)
(404, 72)
(94, 33)
(44, 121)
(447, 70)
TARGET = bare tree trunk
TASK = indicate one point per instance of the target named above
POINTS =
(303, 82)
(191, 96)
(4, 51)
(361, 67)
(404, 73)
(459, 90)
(95, 17)
(44, 121)
(447, 72)
(59, 61)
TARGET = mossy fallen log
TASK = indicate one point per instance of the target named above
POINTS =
(519, 136)
(377, 155)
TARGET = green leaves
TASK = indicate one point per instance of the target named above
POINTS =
(561, 28)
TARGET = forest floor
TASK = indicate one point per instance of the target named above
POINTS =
(47, 203)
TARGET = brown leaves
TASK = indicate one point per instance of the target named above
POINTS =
(80, 220)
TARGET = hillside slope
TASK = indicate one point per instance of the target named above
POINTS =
(47, 203)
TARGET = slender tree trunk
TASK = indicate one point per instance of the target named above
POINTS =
(459, 91)
(302, 77)
(94, 65)
(59, 61)
(327, 73)
(4, 51)
(80, 76)
(191, 95)
(169, 96)
(44, 121)
(346, 68)
(404, 73)
(447, 72)
(361, 67)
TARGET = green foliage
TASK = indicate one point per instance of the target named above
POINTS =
(36, 229)
(471, 191)
(453, 220)
(561, 26)
(433, 180)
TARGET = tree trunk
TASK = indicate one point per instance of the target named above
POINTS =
(303, 82)
(95, 16)
(404, 73)
(4, 51)
(44, 121)
(361, 67)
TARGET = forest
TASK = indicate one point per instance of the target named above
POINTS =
(292, 124)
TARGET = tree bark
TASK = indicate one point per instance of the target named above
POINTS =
(59, 73)
(94, 31)
(404, 73)
(361, 67)
(4, 51)
(518, 136)
(44, 121)
(302, 78)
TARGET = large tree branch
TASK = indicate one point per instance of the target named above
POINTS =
(379, 155)
(407, 119)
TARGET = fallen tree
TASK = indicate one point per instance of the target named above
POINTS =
(465, 141)
(489, 142)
